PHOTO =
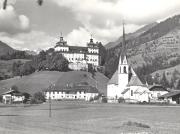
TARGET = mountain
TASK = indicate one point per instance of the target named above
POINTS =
(4, 48)
(41, 80)
(29, 52)
(153, 48)
(131, 35)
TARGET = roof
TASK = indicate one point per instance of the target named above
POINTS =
(114, 79)
(125, 90)
(135, 81)
(170, 94)
(157, 88)
(11, 92)
(72, 89)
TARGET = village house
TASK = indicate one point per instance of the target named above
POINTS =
(156, 91)
(13, 96)
(172, 97)
(78, 92)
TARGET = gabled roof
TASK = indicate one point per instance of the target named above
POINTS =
(114, 79)
(157, 88)
(73, 89)
(170, 94)
(125, 90)
(10, 92)
(135, 81)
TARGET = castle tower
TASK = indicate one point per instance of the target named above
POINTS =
(123, 67)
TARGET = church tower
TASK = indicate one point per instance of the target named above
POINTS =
(123, 67)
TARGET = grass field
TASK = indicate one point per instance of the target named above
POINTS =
(41, 80)
(87, 118)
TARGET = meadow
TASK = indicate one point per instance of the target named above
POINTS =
(70, 117)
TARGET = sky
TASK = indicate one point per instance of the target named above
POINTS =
(25, 25)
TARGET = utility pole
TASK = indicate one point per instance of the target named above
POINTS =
(50, 87)
(49, 105)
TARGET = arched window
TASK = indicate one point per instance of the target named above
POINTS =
(125, 71)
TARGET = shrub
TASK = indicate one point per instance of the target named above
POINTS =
(91, 99)
(37, 98)
(27, 96)
(121, 100)
(104, 100)
(1, 98)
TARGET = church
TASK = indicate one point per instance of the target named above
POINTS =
(125, 83)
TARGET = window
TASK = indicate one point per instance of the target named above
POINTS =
(125, 71)
(131, 92)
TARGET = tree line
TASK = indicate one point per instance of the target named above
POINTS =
(15, 55)
(45, 60)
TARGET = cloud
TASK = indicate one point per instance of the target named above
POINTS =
(133, 11)
(11, 22)
(33, 40)
(81, 36)
(103, 18)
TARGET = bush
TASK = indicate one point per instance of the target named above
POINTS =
(37, 98)
(27, 97)
(91, 99)
(121, 100)
(104, 100)
(1, 98)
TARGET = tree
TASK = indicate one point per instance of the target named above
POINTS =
(164, 81)
(27, 69)
(14, 87)
(156, 78)
(27, 96)
(91, 70)
(38, 97)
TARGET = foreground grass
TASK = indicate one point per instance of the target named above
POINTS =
(82, 117)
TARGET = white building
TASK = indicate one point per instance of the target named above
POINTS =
(72, 93)
(75, 54)
(12, 96)
(125, 83)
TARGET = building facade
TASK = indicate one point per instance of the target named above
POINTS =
(82, 55)
(84, 92)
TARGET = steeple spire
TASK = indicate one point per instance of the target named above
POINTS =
(123, 42)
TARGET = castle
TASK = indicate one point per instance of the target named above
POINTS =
(79, 57)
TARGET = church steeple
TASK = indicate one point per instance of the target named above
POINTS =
(123, 53)
(123, 65)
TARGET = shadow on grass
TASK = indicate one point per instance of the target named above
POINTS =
(136, 124)
(64, 108)
(9, 115)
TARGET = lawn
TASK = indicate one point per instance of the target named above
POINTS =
(88, 118)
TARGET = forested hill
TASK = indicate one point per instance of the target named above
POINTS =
(4, 48)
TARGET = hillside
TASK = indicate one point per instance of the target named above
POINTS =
(41, 80)
(6, 67)
(130, 36)
(4, 48)
(158, 48)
